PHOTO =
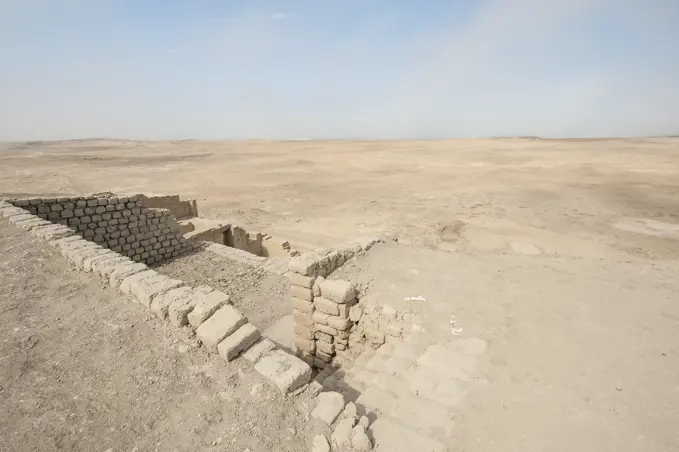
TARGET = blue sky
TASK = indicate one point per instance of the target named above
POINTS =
(352, 69)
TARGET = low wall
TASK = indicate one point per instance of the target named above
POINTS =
(123, 224)
(217, 324)
(180, 209)
(325, 312)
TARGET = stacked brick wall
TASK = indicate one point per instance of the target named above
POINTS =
(121, 223)
(322, 309)
(180, 209)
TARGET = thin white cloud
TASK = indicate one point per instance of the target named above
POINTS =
(280, 15)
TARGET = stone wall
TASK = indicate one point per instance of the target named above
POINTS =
(123, 224)
(222, 329)
(180, 209)
(325, 312)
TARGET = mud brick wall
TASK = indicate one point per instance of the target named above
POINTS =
(120, 223)
(322, 309)
(180, 209)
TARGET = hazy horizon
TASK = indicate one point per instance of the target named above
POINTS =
(208, 70)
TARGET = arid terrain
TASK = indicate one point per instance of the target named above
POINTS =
(558, 256)
(586, 198)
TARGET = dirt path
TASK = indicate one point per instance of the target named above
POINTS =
(261, 295)
(84, 369)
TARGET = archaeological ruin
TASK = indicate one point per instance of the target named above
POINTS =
(125, 239)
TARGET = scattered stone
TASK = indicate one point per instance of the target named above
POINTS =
(238, 342)
(258, 350)
(126, 284)
(220, 325)
(349, 411)
(124, 270)
(364, 422)
(206, 306)
(161, 304)
(179, 310)
(360, 440)
(341, 437)
(149, 288)
(329, 406)
(286, 371)
(320, 444)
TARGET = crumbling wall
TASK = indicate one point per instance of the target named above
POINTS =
(120, 223)
(180, 209)
(325, 312)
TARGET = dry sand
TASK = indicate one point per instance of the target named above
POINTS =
(589, 198)
(564, 258)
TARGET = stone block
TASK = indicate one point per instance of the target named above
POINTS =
(148, 288)
(301, 318)
(161, 304)
(30, 224)
(316, 289)
(360, 442)
(328, 407)
(180, 309)
(300, 280)
(221, 324)
(242, 339)
(301, 292)
(124, 270)
(320, 317)
(126, 284)
(90, 261)
(23, 217)
(206, 306)
(79, 258)
(325, 329)
(303, 265)
(306, 345)
(324, 347)
(320, 444)
(319, 363)
(301, 305)
(258, 350)
(287, 372)
(323, 356)
(105, 267)
(343, 311)
(338, 291)
(326, 306)
(339, 323)
(341, 436)
(52, 232)
(324, 337)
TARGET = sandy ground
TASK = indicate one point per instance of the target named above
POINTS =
(586, 198)
(582, 354)
(260, 295)
(83, 368)
(564, 259)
